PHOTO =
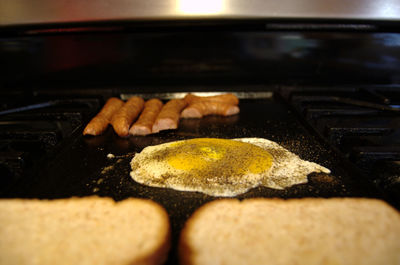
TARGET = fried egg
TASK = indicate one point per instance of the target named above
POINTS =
(220, 167)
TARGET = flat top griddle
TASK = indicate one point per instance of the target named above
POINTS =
(82, 167)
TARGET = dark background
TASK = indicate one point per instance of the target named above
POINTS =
(80, 56)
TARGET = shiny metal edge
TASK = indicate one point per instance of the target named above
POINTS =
(27, 12)
(167, 96)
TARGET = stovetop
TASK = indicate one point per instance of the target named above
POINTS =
(44, 155)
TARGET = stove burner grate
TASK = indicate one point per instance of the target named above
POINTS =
(361, 123)
(33, 133)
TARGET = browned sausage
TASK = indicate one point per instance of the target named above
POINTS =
(204, 108)
(168, 118)
(100, 122)
(126, 115)
(224, 98)
(144, 125)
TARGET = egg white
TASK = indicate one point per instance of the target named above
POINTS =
(287, 169)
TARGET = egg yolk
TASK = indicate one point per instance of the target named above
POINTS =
(212, 154)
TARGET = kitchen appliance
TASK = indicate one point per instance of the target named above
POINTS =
(321, 80)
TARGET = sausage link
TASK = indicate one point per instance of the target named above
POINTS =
(224, 98)
(144, 125)
(204, 108)
(126, 115)
(168, 118)
(100, 122)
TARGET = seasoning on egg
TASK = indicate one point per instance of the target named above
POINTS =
(220, 167)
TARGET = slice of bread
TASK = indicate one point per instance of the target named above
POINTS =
(88, 230)
(289, 232)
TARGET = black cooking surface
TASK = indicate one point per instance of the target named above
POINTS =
(362, 123)
(81, 166)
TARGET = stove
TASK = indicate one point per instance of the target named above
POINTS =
(46, 156)
(325, 89)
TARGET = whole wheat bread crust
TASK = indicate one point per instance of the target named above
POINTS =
(186, 253)
(160, 253)
(155, 256)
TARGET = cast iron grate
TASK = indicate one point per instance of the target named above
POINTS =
(32, 133)
(362, 123)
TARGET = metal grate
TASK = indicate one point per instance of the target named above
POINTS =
(29, 134)
(362, 123)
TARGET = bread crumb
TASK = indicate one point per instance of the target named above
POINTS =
(106, 169)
